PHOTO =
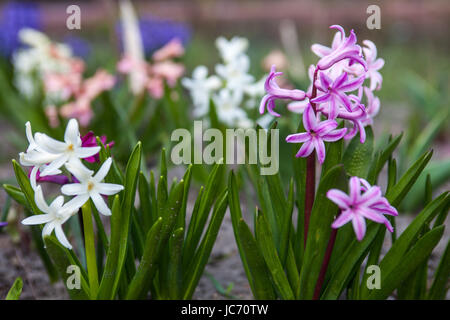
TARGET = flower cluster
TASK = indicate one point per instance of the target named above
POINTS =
(363, 201)
(48, 158)
(144, 75)
(151, 76)
(336, 93)
(229, 87)
(66, 91)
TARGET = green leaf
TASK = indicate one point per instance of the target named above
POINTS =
(267, 247)
(25, 186)
(262, 285)
(348, 263)
(148, 216)
(148, 263)
(89, 241)
(17, 195)
(62, 260)
(423, 140)
(198, 264)
(322, 216)
(396, 254)
(142, 280)
(357, 156)
(127, 205)
(16, 290)
(198, 221)
(110, 271)
(401, 188)
(439, 288)
(439, 172)
(408, 264)
(174, 273)
(236, 216)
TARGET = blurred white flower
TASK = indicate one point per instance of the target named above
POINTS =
(228, 108)
(90, 186)
(54, 216)
(133, 47)
(231, 49)
(200, 87)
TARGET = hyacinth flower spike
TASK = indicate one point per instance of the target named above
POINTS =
(357, 206)
(55, 215)
(315, 135)
(347, 49)
(275, 92)
(90, 186)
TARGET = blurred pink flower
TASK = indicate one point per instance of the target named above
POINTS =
(168, 70)
(90, 89)
(172, 49)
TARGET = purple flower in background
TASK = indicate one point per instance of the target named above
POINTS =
(14, 16)
(315, 135)
(57, 179)
(79, 46)
(90, 140)
(275, 92)
(2, 224)
(157, 32)
(346, 49)
(356, 206)
(333, 92)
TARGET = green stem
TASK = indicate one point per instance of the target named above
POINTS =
(89, 243)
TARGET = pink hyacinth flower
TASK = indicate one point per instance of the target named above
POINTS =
(173, 49)
(347, 49)
(90, 140)
(275, 92)
(315, 135)
(363, 201)
(333, 92)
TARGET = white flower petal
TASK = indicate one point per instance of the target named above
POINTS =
(108, 188)
(62, 237)
(75, 204)
(72, 133)
(54, 165)
(40, 201)
(57, 203)
(84, 152)
(49, 144)
(79, 170)
(103, 171)
(48, 228)
(100, 204)
(73, 189)
(38, 219)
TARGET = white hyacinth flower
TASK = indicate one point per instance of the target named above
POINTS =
(52, 154)
(90, 186)
(231, 49)
(228, 109)
(54, 216)
(200, 87)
